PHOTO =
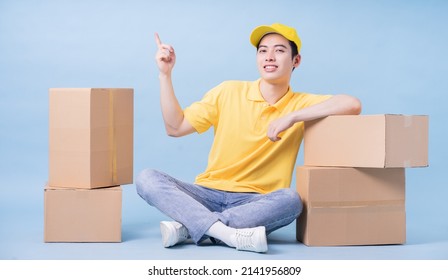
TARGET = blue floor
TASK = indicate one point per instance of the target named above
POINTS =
(21, 238)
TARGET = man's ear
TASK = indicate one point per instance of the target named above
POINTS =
(296, 60)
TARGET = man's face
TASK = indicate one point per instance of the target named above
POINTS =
(274, 60)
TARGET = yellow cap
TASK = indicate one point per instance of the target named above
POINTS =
(286, 31)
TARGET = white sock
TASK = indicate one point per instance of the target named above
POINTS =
(222, 232)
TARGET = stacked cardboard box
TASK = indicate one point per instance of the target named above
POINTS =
(90, 157)
(353, 180)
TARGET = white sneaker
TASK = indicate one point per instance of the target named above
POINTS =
(251, 239)
(173, 233)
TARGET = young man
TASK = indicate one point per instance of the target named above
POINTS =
(244, 193)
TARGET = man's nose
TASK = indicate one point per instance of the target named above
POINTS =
(269, 57)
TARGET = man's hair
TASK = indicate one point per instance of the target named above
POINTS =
(294, 50)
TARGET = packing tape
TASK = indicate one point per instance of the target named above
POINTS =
(82, 194)
(355, 204)
(407, 121)
(406, 163)
(112, 139)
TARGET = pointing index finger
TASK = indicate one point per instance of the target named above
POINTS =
(158, 42)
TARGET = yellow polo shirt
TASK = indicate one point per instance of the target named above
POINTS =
(242, 158)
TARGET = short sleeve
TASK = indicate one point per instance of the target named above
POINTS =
(308, 99)
(204, 113)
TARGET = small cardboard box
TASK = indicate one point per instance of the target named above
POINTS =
(351, 206)
(82, 215)
(367, 141)
(90, 137)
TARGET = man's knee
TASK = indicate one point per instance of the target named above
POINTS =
(145, 180)
(292, 200)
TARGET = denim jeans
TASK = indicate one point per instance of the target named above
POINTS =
(198, 208)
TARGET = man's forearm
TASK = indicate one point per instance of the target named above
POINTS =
(171, 110)
(336, 105)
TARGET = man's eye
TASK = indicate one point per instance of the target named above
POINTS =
(280, 50)
(262, 51)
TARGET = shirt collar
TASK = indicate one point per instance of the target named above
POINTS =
(255, 95)
(254, 92)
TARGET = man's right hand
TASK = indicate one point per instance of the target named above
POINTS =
(165, 56)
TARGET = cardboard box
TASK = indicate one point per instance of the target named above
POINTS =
(351, 206)
(90, 137)
(367, 141)
(82, 215)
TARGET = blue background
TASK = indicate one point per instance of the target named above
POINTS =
(390, 54)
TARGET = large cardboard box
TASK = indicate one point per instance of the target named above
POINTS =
(367, 141)
(90, 137)
(351, 206)
(82, 215)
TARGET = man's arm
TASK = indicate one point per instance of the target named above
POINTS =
(175, 123)
(337, 105)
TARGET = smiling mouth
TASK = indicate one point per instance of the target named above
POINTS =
(270, 67)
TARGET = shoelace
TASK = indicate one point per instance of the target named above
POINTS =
(244, 239)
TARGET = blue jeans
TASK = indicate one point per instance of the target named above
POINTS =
(198, 208)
